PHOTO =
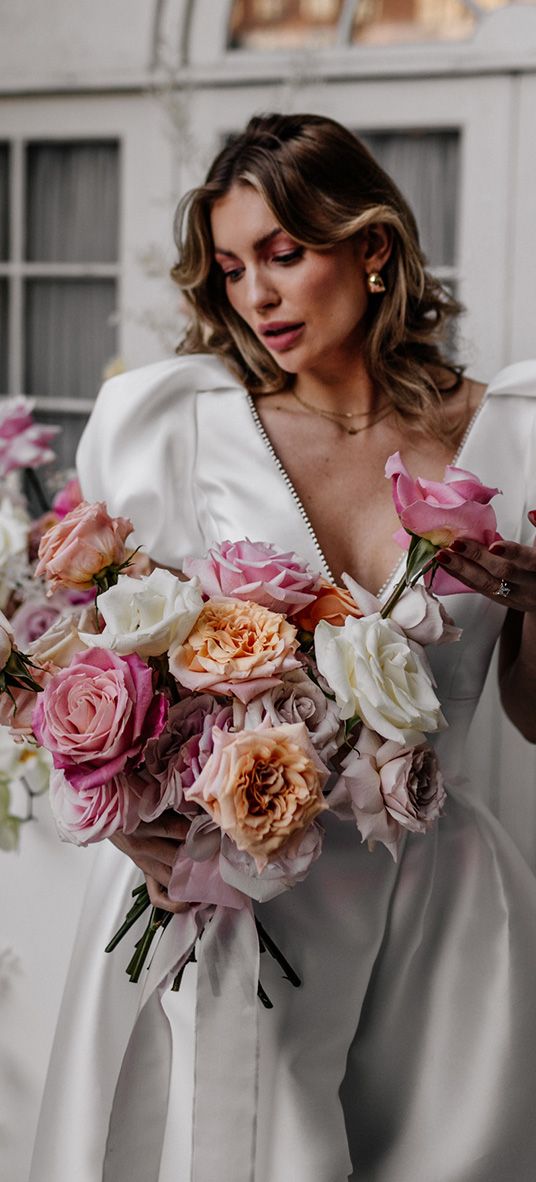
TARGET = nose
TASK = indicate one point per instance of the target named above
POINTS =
(262, 292)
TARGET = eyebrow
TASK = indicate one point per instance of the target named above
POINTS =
(258, 245)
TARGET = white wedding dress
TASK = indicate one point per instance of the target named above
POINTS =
(409, 1052)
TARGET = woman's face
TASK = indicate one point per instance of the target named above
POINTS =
(306, 306)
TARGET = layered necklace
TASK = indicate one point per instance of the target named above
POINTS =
(341, 417)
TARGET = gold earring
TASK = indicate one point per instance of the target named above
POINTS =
(375, 283)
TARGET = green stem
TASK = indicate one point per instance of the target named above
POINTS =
(402, 585)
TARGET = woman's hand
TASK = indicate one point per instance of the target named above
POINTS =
(505, 564)
(511, 568)
(153, 847)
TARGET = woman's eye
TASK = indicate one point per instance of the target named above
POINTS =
(234, 274)
(289, 256)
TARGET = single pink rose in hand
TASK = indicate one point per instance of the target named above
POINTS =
(82, 546)
(255, 571)
(96, 716)
(440, 511)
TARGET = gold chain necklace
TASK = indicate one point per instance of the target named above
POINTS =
(334, 415)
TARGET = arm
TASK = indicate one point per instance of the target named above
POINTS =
(483, 570)
(517, 671)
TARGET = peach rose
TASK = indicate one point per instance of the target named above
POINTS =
(235, 648)
(332, 603)
(82, 546)
(261, 787)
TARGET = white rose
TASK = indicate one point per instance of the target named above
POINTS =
(147, 615)
(7, 640)
(14, 532)
(14, 529)
(63, 639)
(376, 673)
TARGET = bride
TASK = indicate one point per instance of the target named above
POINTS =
(315, 349)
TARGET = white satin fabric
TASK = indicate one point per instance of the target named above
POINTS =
(409, 1052)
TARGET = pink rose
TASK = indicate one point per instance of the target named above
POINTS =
(85, 815)
(440, 511)
(23, 443)
(256, 571)
(391, 788)
(96, 716)
(67, 498)
(261, 787)
(81, 547)
(236, 649)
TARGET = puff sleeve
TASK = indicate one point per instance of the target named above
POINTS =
(138, 452)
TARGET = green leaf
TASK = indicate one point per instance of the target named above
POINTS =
(419, 554)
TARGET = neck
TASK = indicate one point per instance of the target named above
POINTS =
(349, 389)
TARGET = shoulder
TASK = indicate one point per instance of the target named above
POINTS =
(163, 386)
(518, 380)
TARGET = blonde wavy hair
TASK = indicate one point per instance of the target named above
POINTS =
(322, 186)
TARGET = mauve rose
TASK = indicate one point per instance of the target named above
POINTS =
(261, 787)
(174, 759)
(32, 618)
(96, 716)
(235, 648)
(83, 545)
(296, 699)
(419, 613)
(85, 815)
(255, 571)
(392, 788)
(440, 511)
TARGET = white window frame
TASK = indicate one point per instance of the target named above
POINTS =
(17, 270)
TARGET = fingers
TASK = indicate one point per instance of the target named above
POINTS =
(484, 569)
(169, 825)
(159, 896)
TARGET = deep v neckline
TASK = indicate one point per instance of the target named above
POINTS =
(397, 570)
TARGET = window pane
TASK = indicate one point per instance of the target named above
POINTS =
(66, 443)
(4, 201)
(425, 166)
(3, 337)
(283, 24)
(70, 336)
(383, 22)
(72, 203)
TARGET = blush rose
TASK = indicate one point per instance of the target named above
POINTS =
(82, 546)
(96, 716)
(255, 571)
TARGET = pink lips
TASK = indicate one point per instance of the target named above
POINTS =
(279, 335)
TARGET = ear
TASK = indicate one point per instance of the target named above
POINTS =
(375, 244)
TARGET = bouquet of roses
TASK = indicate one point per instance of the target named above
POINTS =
(249, 697)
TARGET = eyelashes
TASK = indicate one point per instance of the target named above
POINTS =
(284, 259)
